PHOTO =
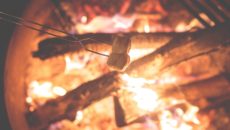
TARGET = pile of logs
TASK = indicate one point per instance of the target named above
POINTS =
(173, 51)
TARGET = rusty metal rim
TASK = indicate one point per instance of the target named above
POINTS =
(6, 31)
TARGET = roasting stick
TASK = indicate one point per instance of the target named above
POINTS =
(31, 25)
(33, 22)
(117, 60)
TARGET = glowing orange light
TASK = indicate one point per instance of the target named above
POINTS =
(41, 90)
(84, 19)
(59, 91)
(137, 53)
(146, 28)
(29, 100)
(142, 96)
(72, 64)
(78, 117)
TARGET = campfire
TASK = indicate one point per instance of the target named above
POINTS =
(131, 65)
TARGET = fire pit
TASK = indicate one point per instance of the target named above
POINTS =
(177, 77)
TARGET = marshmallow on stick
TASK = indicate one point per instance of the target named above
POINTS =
(119, 58)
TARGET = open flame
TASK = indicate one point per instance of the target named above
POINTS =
(178, 119)
(146, 28)
(74, 63)
(60, 91)
(142, 96)
(79, 116)
(171, 112)
(40, 92)
(171, 116)
(137, 53)
(43, 90)
(145, 98)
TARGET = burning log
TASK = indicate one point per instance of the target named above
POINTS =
(100, 42)
(180, 49)
(217, 86)
(65, 107)
(57, 46)
(199, 67)
(209, 87)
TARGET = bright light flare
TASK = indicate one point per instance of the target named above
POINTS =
(79, 116)
(146, 28)
(59, 91)
(84, 19)
(74, 64)
(179, 119)
(40, 92)
(148, 100)
(136, 82)
(44, 89)
(29, 100)
(138, 53)
(144, 97)
(190, 115)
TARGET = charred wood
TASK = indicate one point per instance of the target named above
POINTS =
(99, 42)
(214, 87)
(119, 113)
(199, 67)
(65, 107)
(180, 49)
(55, 46)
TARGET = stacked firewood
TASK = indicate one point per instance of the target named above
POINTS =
(202, 55)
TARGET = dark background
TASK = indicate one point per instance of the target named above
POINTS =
(14, 7)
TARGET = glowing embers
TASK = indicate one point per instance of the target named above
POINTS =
(75, 63)
(141, 99)
(116, 23)
(179, 117)
(99, 116)
(84, 19)
(79, 116)
(59, 91)
(39, 92)
(138, 53)
(144, 97)
(146, 28)
(143, 93)
(43, 90)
